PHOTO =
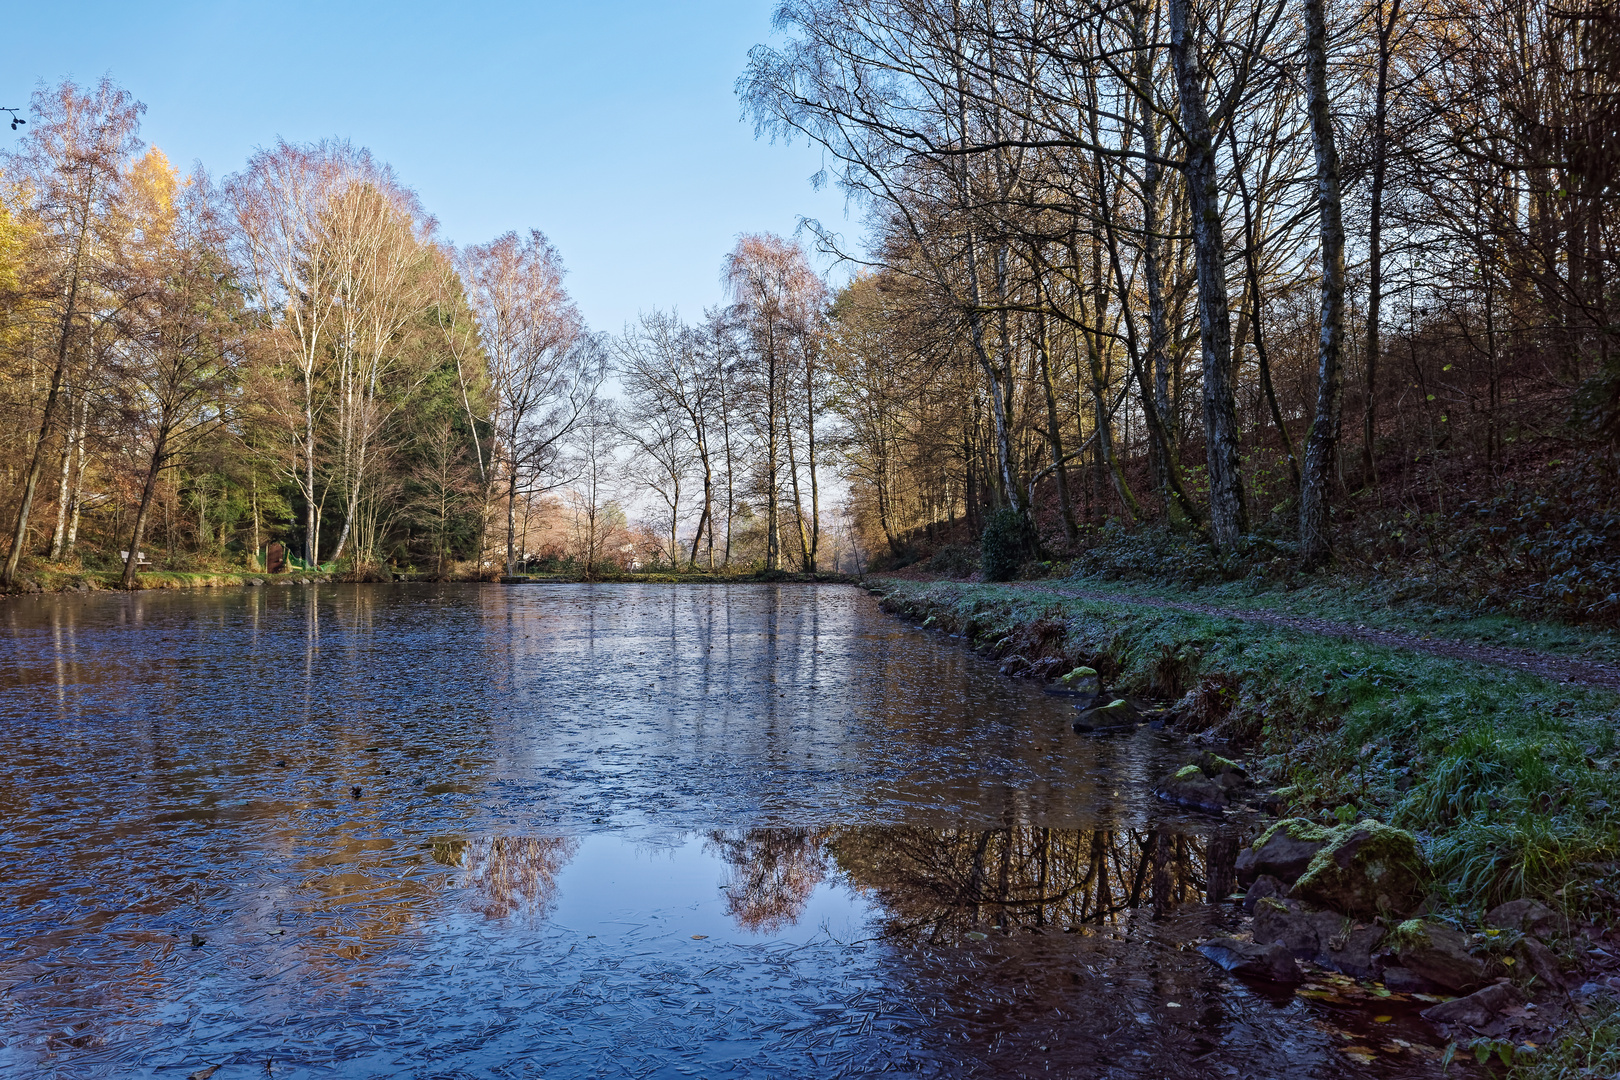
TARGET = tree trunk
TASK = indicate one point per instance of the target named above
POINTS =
(706, 518)
(1054, 426)
(77, 495)
(1322, 442)
(1251, 273)
(63, 485)
(511, 523)
(312, 526)
(1375, 242)
(155, 466)
(253, 562)
(810, 461)
(798, 502)
(1105, 434)
(1156, 397)
(37, 465)
(1179, 507)
(1227, 513)
(773, 536)
(349, 512)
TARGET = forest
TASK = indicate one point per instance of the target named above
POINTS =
(1225, 290)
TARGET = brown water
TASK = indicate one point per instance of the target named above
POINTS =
(599, 831)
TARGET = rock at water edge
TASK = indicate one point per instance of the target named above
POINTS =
(1190, 787)
(1477, 1009)
(1366, 869)
(1271, 962)
(1283, 851)
(1438, 953)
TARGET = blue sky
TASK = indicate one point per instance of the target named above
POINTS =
(613, 127)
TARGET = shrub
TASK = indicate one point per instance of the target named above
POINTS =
(1005, 545)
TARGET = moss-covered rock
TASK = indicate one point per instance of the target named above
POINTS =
(1205, 784)
(1438, 953)
(1224, 771)
(1192, 786)
(1283, 851)
(1079, 675)
(1366, 869)
(1118, 714)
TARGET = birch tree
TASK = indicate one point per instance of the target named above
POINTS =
(281, 205)
(71, 168)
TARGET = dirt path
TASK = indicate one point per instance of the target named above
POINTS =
(1558, 668)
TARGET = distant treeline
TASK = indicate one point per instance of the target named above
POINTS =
(195, 370)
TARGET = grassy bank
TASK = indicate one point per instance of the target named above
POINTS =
(58, 581)
(1511, 780)
(1384, 606)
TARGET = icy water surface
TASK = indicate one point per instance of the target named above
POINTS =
(579, 831)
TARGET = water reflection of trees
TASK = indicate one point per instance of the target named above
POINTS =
(773, 873)
(508, 875)
(940, 883)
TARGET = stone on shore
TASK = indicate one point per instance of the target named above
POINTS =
(1283, 851)
(1366, 869)
(1527, 917)
(1477, 1009)
(1540, 961)
(1189, 787)
(1264, 886)
(1251, 960)
(1401, 980)
(1080, 677)
(1327, 937)
(1117, 715)
(1206, 784)
(1438, 953)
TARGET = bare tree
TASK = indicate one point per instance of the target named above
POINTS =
(281, 204)
(179, 346)
(777, 299)
(544, 370)
(668, 376)
(374, 236)
(593, 446)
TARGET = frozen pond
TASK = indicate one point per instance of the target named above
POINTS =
(445, 831)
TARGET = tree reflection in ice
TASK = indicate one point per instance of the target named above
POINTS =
(773, 873)
(936, 884)
(508, 875)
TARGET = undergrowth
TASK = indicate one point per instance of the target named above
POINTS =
(1589, 1049)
